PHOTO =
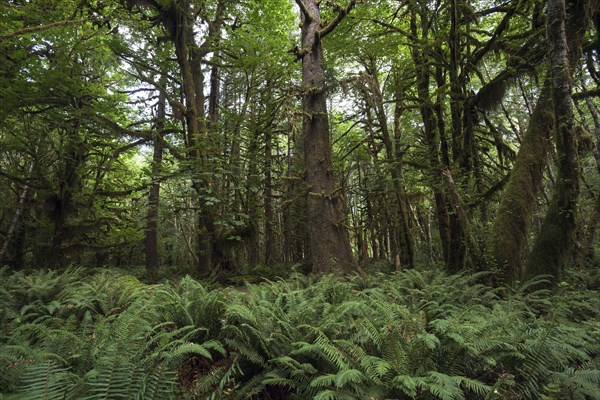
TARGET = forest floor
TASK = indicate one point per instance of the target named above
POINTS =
(418, 334)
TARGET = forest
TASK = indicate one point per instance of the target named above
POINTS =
(300, 199)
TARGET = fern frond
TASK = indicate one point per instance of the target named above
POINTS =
(47, 381)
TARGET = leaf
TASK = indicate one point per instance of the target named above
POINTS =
(407, 384)
(323, 380)
(430, 340)
(350, 375)
(192, 348)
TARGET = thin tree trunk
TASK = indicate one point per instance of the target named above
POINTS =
(268, 201)
(252, 188)
(16, 218)
(68, 182)
(592, 223)
(151, 242)
(456, 94)
(393, 159)
(452, 227)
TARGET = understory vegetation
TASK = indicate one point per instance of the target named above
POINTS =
(78, 334)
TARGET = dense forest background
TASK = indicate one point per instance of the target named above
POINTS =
(372, 199)
(222, 136)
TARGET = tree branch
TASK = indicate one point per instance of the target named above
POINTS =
(123, 149)
(26, 182)
(393, 28)
(341, 15)
(307, 14)
(586, 93)
(145, 135)
(40, 28)
(502, 26)
(109, 123)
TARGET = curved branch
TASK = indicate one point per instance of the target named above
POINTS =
(336, 21)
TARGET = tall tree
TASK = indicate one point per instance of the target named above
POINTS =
(329, 241)
(180, 19)
(151, 240)
(526, 180)
(520, 195)
(553, 248)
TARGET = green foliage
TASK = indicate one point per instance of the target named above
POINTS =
(410, 335)
(98, 337)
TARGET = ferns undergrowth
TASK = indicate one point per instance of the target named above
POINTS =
(410, 335)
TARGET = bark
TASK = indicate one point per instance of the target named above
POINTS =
(16, 218)
(178, 20)
(270, 257)
(453, 227)
(151, 240)
(553, 249)
(511, 227)
(393, 158)
(329, 242)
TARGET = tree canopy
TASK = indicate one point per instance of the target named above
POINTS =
(226, 136)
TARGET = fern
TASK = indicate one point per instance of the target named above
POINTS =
(47, 381)
(416, 334)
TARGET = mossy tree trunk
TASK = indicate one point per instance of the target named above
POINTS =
(17, 228)
(393, 158)
(526, 180)
(554, 246)
(511, 227)
(179, 22)
(592, 223)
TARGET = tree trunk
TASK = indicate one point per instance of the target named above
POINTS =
(554, 246)
(179, 21)
(252, 184)
(510, 230)
(452, 223)
(68, 181)
(270, 257)
(393, 157)
(16, 218)
(592, 223)
(329, 242)
(151, 241)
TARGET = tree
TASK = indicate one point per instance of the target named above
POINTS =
(526, 180)
(151, 240)
(554, 247)
(59, 71)
(329, 242)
